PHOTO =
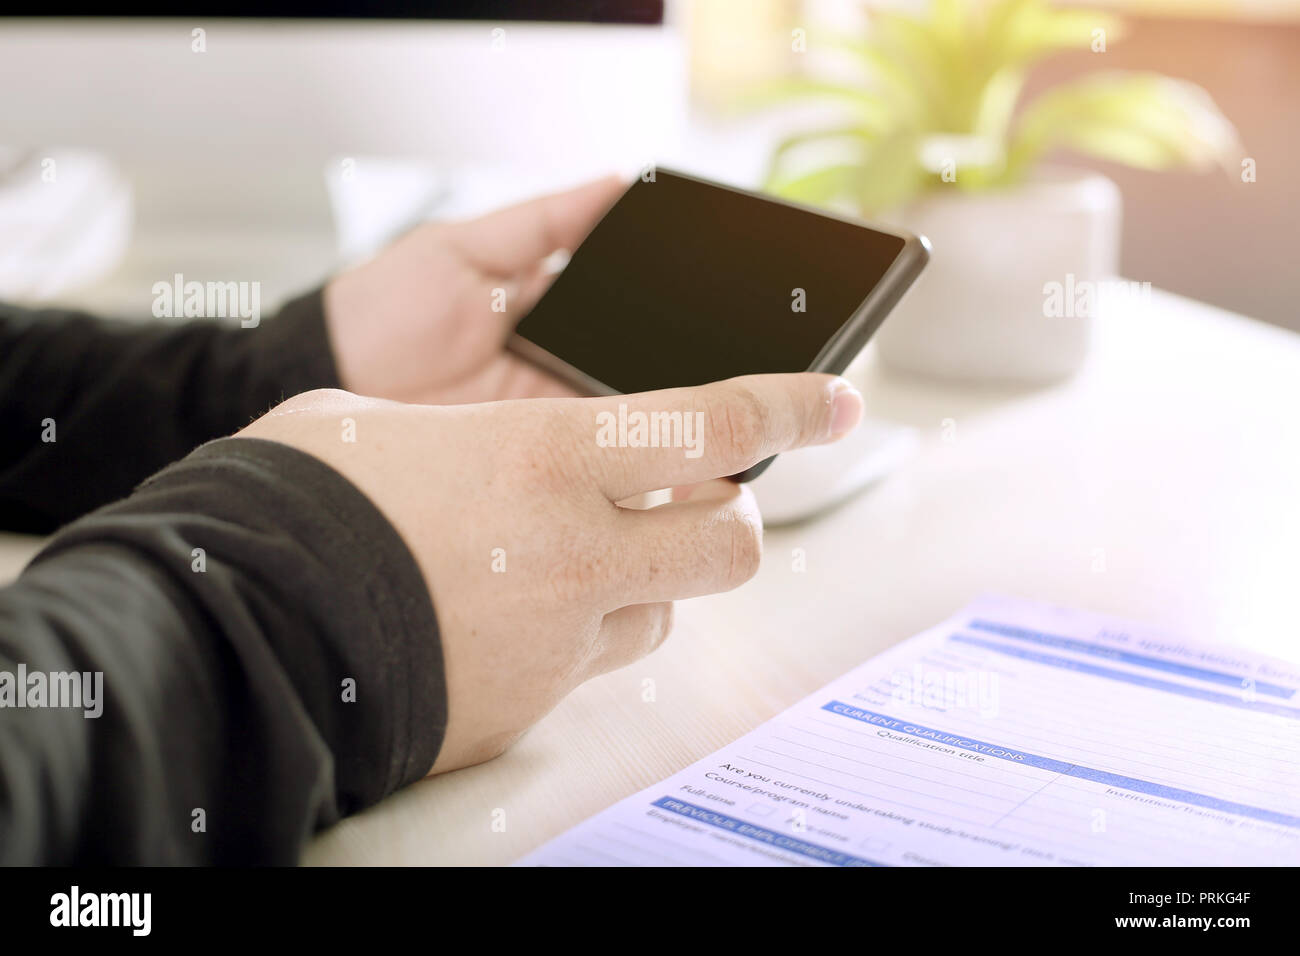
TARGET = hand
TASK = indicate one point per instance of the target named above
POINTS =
(539, 579)
(416, 324)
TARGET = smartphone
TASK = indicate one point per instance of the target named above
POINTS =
(685, 282)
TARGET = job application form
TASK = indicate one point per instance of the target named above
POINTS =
(1011, 734)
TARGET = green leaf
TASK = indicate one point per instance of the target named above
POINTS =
(998, 103)
(1142, 119)
(872, 109)
(892, 81)
(820, 187)
(1037, 31)
(862, 136)
(918, 50)
(891, 175)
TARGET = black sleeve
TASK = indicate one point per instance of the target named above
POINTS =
(90, 407)
(270, 662)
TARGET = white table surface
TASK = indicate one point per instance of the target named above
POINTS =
(1162, 484)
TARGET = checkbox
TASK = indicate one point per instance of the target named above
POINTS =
(761, 809)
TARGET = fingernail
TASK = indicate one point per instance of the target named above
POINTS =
(846, 408)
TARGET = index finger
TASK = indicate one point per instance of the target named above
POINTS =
(681, 436)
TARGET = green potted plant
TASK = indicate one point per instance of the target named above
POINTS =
(935, 137)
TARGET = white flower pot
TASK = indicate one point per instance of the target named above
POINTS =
(988, 308)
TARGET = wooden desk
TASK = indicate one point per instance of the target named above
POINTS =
(1163, 485)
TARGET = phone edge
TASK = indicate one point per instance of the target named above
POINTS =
(835, 356)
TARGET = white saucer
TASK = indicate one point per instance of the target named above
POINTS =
(803, 483)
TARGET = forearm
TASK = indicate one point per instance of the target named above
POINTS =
(270, 663)
(89, 408)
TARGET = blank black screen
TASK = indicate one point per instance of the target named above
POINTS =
(684, 283)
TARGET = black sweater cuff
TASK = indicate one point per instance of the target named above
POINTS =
(82, 397)
(292, 351)
(296, 678)
(362, 594)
